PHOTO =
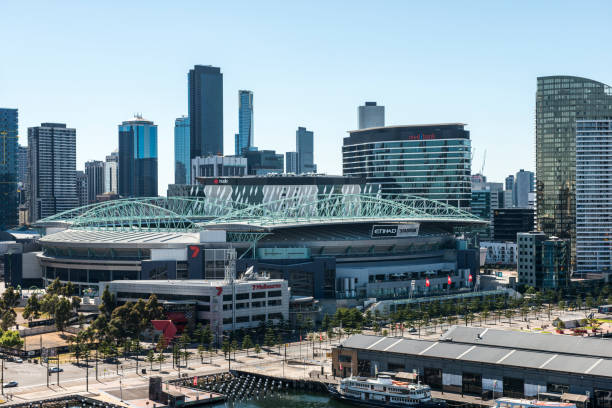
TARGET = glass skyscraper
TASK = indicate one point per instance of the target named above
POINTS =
(560, 101)
(52, 174)
(431, 161)
(245, 122)
(182, 156)
(138, 158)
(304, 144)
(593, 196)
(9, 168)
(205, 111)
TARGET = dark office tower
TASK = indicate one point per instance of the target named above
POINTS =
(81, 188)
(138, 158)
(9, 169)
(304, 143)
(291, 160)
(206, 111)
(22, 164)
(95, 179)
(509, 183)
(245, 135)
(431, 161)
(560, 101)
(182, 158)
(22, 173)
(52, 174)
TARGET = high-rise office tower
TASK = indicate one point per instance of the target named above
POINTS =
(291, 162)
(371, 115)
(94, 170)
(52, 174)
(111, 173)
(22, 164)
(138, 158)
(560, 101)
(304, 143)
(81, 188)
(509, 182)
(245, 137)
(182, 157)
(593, 195)
(9, 168)
(523, 185)
(431, 161)
(22, 174)
(205, 111)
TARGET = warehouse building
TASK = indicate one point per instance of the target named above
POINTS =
(488, 363)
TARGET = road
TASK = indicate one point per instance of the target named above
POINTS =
(30, 375)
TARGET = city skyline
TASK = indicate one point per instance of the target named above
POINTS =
(438, 92)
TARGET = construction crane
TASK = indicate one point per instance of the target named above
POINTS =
(484, 159)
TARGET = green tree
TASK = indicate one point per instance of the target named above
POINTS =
(153, 309)
(201, 353)
(226, 347)
(151, 357)
(11, 339)
(257, 349)
(32, 308)
(62, 313)
(509, 313)
(247, 343)
(234, 347)
(75, 302)
(326, 322)
(269, 338)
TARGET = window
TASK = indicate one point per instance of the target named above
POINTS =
(227, 298)
(242, 296)
(242, 319)
(274, 293)
(259, 318)
(258, 295)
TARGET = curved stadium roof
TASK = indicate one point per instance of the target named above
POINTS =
(198, 213)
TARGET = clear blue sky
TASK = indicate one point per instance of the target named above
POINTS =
(93, 64)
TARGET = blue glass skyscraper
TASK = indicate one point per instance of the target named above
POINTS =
(244, 138)
(138, 158)
(205, 111)
(304, 143)
(182, 157)
(8, 168)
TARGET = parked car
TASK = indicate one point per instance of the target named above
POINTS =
(18, 360)
(56, 370)
(11, 384)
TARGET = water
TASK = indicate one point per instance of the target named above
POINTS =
(290, 399)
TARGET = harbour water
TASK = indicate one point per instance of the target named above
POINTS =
(290, 399)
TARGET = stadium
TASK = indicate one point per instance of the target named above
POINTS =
(339, 249)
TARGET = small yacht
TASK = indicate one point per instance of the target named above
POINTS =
(384, 391)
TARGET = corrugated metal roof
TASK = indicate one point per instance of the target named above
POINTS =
(530, 341)
(497, 355)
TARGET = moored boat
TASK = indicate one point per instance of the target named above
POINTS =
(384, 391)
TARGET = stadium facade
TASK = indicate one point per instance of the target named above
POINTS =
(338, 248)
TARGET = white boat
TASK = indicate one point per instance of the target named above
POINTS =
(525, 403)
(384, 391)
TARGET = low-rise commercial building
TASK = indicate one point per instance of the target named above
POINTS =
(487, 362)
(223, 305)
(500, 253)
(542, 262)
